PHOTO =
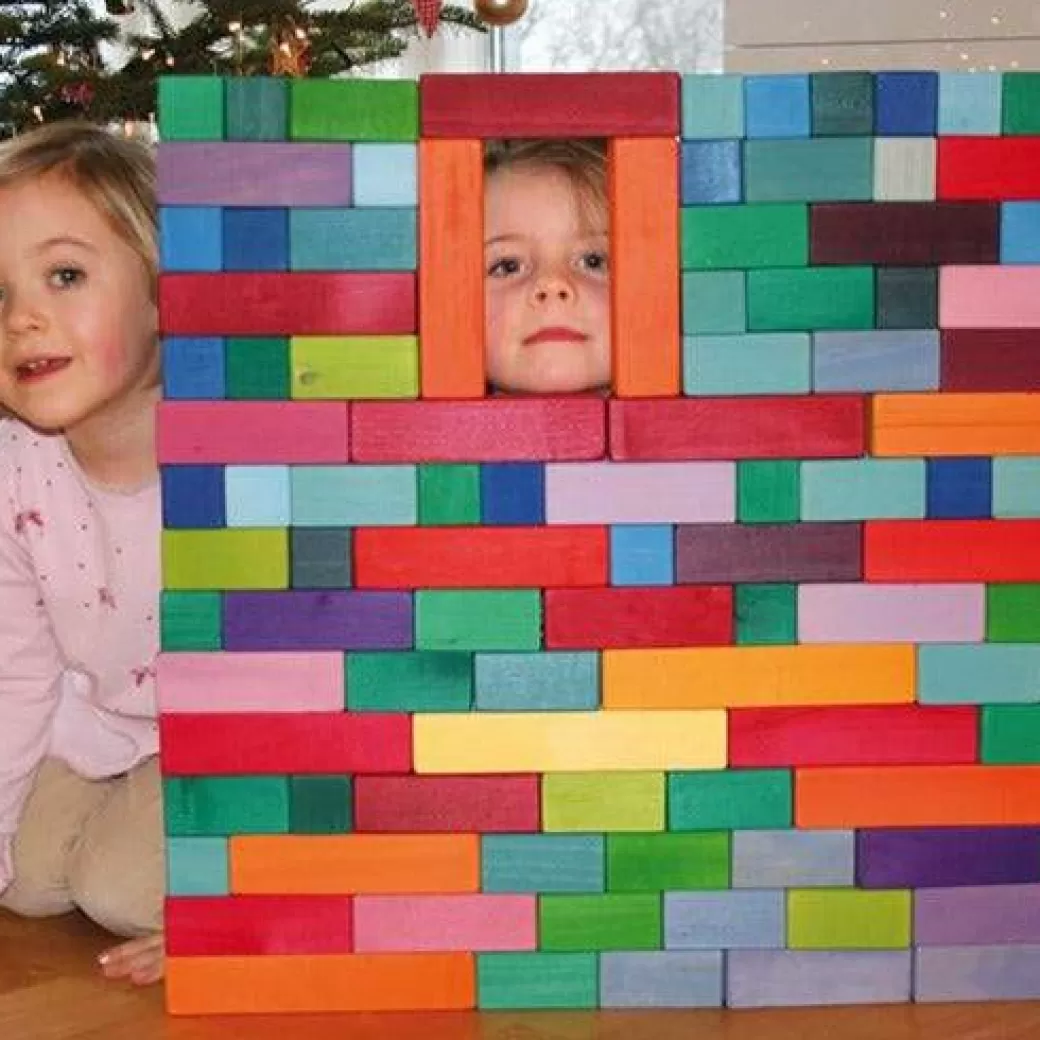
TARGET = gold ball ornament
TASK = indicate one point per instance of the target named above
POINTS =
(500, 12)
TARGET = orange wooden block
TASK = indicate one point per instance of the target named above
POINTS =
(644, 260)
(451, 268)
(917, 796)
(348, 982)
(345, 864)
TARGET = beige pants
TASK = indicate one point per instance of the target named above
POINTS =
(95, 845)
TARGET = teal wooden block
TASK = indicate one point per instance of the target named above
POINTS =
(842, 104)
(537, 981)
(722, 237)
(256, 108)
(321, 804)
(393, 681)
(552, 681)
(1016, 486)
(354, 496)
(978, 673)
(714, 302)
(970, 103)
(191, 108)
(543, 863)
(756, 363)
(257, 496)
(197, 867)
(819, 169)
(730, 799)
(207, 806)
(810, 298)
(352, 239)
(863, 489)
(712, 107)
(478, 619)
(384, 175)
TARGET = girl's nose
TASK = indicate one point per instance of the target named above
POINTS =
(553, 287)
(19, 314)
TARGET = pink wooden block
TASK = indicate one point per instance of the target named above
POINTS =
(640, 492)
(1000, 296)
(386, 924)
(248, 682)
(891, 613)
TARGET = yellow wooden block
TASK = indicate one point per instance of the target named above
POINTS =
(543, 742)
(243, 558)
(759, 676)
(590, 802)
(345, 367)
(956, 424)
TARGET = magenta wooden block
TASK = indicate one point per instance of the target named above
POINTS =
(995, 296)
(952, 973)
(977, 916)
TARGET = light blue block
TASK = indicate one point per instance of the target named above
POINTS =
(711, 172)
(724, 920)
(712, 107)
(777, 106)
(979, 673)
(642, 554)
(823, 169)
(714, 302)
(257, 496)
(1020, 232)
(353, 239)
(863, 489)
(661, 979)
(970, 103)
(191, 238)
(1016, 486)
(543, 863)
(354, 496)
(876, 361)
(193, 368)
(943, 974)
(553, 681)
(756, 363)
(793, 859)
(385, 175)
(197, 867)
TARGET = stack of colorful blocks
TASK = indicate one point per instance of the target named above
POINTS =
(721, 692)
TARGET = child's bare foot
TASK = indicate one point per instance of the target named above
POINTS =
(139, 960)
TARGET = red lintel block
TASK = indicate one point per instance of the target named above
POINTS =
(1003, 168)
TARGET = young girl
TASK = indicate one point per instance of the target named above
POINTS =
(80, 822)
(547, 292)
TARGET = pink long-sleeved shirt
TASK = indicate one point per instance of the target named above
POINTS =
(79, 595)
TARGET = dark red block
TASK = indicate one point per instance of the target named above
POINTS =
(1002, 168)
(990, 360)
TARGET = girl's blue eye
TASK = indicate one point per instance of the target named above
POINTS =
(504, 267)
(596, 261)
(64, 277)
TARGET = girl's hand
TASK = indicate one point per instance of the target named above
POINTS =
(141, 961)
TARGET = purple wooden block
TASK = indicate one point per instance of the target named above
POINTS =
(942, 857)
(318, 620)
(993, 914)
(946, 973)
(278, 173)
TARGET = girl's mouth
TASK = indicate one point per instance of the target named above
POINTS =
(40, 368)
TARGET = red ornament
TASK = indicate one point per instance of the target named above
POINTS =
(429, 14)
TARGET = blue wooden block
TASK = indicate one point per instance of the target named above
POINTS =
(777, 106)
(256, 239)
(553, 681)
(756, 363)
(190, 238)
(1020, 233)
(512, 493)
(882, 360)
(714, 302)
(959, 488)
(712, 171)
(354, 496)
(543, 863)
(970, 103)
(906, 104)
(1016, 486)
(712, 107)
(863, 489)
(954, 973)
(978, 673)
(724, 920)
(193, 368)
(793, 859)
(661, 979)
(353, 239)
(642, 554)
(193, 496)
(385, 175)
(257, 496)
(197, 867)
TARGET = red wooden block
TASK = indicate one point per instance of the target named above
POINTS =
(499, 429)
(200, 926)
(490, 557)
(424, 804)
(285, 304)
(603, 104)
(990, 359)
(951, 550)
(820, 426)
(318, 742)
(897, 735)
(614, 618)
(1005, 168)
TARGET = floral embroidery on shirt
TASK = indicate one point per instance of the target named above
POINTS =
(106, 597)
(142, 675)
(25, 518)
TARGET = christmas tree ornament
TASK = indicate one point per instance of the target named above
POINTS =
(290, 53)
(429, 14)
(500, 12)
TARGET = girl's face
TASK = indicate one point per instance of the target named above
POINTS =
(77, 319)
(547, 291)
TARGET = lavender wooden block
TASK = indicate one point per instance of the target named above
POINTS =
(948, 973)
(254, 174)
(792, 859)
(724, 920)
(661, 979)
(318, 620)
(987, 915)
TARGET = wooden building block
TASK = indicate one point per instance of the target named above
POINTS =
(755, 363)
(1010, 734)
(542, 863)
(193, 496)
(730, 799)
(320, 804)
(409, 681)
(349, 496)
(1020, 98)
(719, 237)
(257, 367)
(257, 496)
(1013, 613)
(613, 801)
(243, 558)
(765, 614)
(867, 362)
(724, 920)
(907, 103)
(973, 673)
(191, 620)
(777, 106)
(714, 302)
(193, 367)
(449, 494)
(1004, 296)
(255, 239)
(977, 916)
(768, 492)
(612, 921)
(810, 298)
(256, 108)
(907, 298)
(512, 493)
(196, 866)
(842, 104)
(818, 169)
(191, 108)
(212, 806)
(353, 109)
(666, 862)
(712, 107)
(556, 681)
(991, 167)
(661, 979)
(712, 172)
(324, 239)
(793, 859)
(478, 619)
(904, 168)
(862, 489)
(320, 558)
(970, 103)
(537, 981)
(847, 919)
(1019, 226)
(385, 174)
(190, 238)
(642, 554)
(943, 974)
(1015, 491)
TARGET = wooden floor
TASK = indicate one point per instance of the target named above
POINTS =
(50, 990)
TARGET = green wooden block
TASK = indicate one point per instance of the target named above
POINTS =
(848, 919)
(667, 862)
(811, 169)
(320, 804)
(600, 922)
(449, 494)
(907, 298)
(542, 863)
(769, 492)
(842, 104)
(191, 108)
(1016, 486)
(256, 108)
(242, 558)
(409, 681)
(748, 363)
(731, 799)
(469, 619)
(321, 557)
(379, 238)
(714, 301)
(863, 489)
(810, 299)
(1021, 106)
(1013, 613)
(1010, 734)
(603, 802)
(712, 107)
(766, 614)
(257, 368)
(745, 236)
(537, 981)
(191, 620)
(340, 368)
(204, 806)
(354, 110)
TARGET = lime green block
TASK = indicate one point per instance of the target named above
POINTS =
(730, 799)
(745, 236)
(1021, 107)
(1013, 613)
(191, 620)
(342, 367)
(667, 862)
(1010, 734)
(354, 110)
(257, 369)
(714, 302)
(769, 492)
(256, 108)
(603, 802)
(848, 919)
(449, 494)
(209, 806)
(391, 681)
(810, 299)
(537, 981)
(588, 923)
(191, 108)
(766, 614)
(810, 169)
(507, 619)
(243, 558)
(320, 804)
